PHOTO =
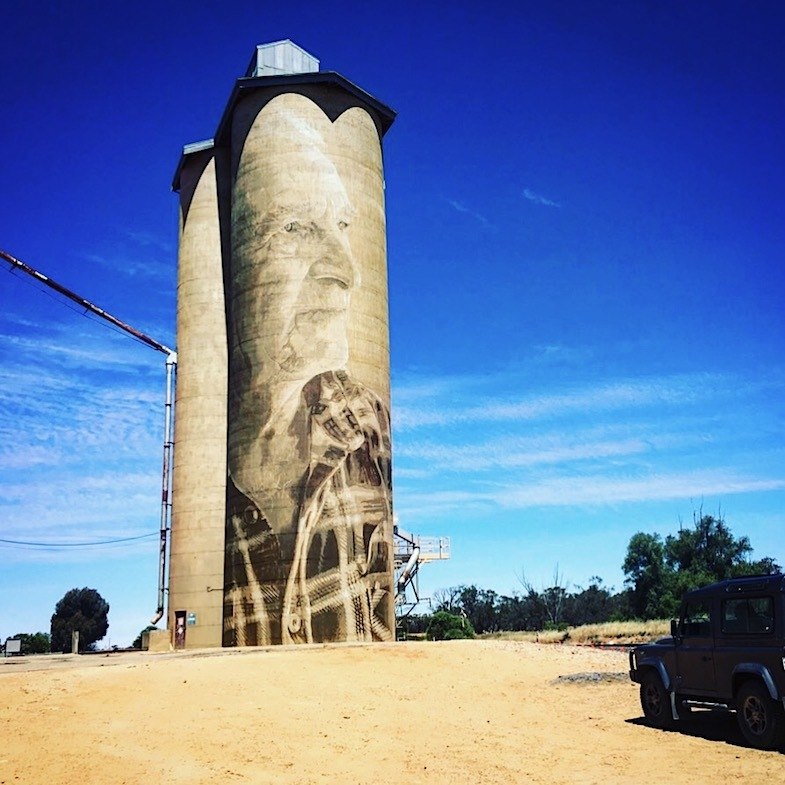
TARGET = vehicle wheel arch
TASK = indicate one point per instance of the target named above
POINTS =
(759, 716)
(657, 666)
(754, 671)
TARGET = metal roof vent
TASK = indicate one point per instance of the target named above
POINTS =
(279, 58)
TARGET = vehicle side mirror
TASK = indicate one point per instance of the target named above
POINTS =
(674, 628)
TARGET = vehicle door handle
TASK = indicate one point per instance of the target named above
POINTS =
(705, 658)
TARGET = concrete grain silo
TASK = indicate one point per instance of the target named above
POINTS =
(199, 470)
(282, 519)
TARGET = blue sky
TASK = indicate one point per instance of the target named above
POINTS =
(585, 238)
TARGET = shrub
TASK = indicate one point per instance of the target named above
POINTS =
(443, 623)
(457, 633)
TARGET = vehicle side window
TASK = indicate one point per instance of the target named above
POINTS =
(697, 619)
(747, 616)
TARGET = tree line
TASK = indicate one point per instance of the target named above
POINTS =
(657, 570)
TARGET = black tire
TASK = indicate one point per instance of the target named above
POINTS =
(760, 718)
(655, 701)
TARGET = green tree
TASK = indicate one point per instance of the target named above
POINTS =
(413, 624)
(545, 609)
(137, 644)
(33, 643)
(592, 605)
(448, 626)
(709, 549)
(479, 606)
(447, 599)
(84, 610)
(511, 613)
(659, 573)
(649, 577)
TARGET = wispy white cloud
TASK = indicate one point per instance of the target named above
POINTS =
(68, 507)
(463, 450)
(559, 353)
(596, 490)
(532, 445)
(409, 473)
(20, 321)
(22, 456)
(81, 430)
(59, 429)
(601, 397)
(135, 265)
(139, 254)
(606, 490)
(506, 453)
(414, 506)
(539, 199)
(76, 354)
(462, 208)
(416, 387)
(149, 239)
(64, 397)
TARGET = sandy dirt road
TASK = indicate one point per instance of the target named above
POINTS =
(453, 712)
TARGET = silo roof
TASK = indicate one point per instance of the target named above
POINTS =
(385, 114)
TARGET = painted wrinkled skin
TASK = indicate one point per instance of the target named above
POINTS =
(294, 274)
(309, 509)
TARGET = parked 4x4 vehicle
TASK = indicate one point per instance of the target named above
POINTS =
(726, 650)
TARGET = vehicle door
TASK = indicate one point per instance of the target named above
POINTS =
(695, 648)
(747, 635)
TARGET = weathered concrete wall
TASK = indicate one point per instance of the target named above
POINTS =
(309, 520)
(199, 475)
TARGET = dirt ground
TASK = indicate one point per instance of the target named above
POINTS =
(453, 712)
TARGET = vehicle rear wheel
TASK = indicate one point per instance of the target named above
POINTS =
(655, 700)
(760, 718)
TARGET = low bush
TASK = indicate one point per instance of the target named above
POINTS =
(448, 626)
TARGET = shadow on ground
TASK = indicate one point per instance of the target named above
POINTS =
(711, 725)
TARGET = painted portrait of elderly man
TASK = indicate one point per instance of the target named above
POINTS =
(309, 519)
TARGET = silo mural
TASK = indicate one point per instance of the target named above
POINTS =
(307, 532)
(309, 510)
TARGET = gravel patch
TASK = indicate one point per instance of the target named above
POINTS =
(592, 677)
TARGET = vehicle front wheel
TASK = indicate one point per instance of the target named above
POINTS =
(760, 718)
(655, 700)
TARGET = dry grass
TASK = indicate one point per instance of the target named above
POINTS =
(608, 632)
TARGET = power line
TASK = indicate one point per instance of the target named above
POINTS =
(76, 544)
